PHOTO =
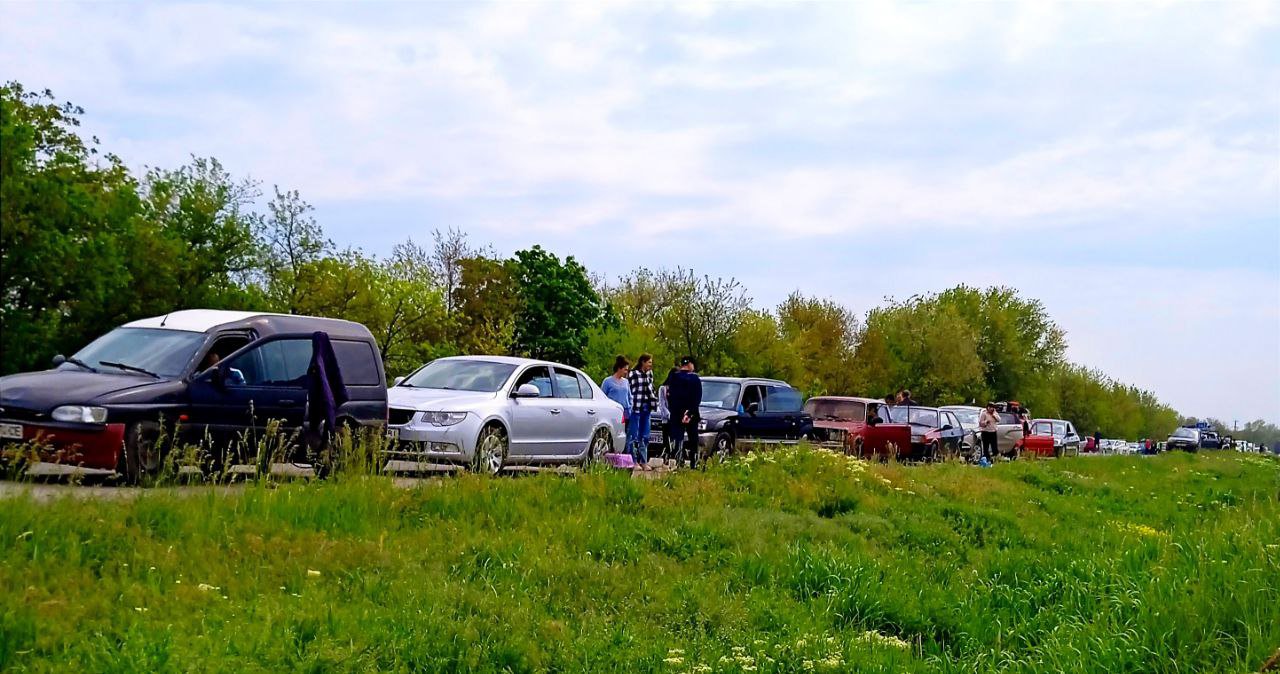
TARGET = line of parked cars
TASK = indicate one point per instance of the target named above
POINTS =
(225, 380)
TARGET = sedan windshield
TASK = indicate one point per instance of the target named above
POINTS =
(163, 352)
(461, 375)
(720, 394)
(968, 418)
(926, 417)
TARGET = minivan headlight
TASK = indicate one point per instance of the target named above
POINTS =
(443, 418)
(82, 414)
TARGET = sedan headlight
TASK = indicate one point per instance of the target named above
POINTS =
(81, 414)
(443, 418)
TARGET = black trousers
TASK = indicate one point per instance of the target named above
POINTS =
(988, 443)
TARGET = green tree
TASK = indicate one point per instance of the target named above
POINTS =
(488, 301)
(68, 223)
(823, 335)
(291, 243)
(558, 306)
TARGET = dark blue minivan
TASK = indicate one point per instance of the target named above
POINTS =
(215, 379)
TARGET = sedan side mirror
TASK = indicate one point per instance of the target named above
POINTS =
(58, 360)
(946, 427)
(397, 381)
(526, 391)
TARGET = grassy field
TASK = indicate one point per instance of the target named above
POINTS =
(794, 561)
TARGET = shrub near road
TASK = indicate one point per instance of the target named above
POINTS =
(793, 561)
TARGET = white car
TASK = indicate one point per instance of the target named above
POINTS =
(487, 412)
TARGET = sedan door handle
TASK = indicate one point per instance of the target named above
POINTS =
(554, 411)
(591, 412)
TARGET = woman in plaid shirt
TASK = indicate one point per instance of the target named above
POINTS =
(643, 403)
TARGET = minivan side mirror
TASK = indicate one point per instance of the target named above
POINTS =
(526, 391)
(218, 377)
(752, 408)
(397, 381)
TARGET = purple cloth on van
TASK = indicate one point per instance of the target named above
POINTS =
(325, 390)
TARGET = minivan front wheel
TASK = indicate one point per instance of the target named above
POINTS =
(491, 451)
(142, 452)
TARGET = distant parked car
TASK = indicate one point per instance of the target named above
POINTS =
(842, 423)
(750, 410)
(197, 374)
(968, 417)
(935, 434)
(1185, 439)
(489, 412)
(1210, 440)
(1065, 440)
(1009, 430)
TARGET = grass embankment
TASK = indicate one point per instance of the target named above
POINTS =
(794, 561)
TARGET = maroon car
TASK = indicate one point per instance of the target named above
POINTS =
(857, 426)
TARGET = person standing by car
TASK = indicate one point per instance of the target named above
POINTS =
(904, 398)
(988, 425)
(643, 402)
(616, 387)
(683, 398)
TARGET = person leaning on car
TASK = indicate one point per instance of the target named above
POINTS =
(684, 394)
(988, 425)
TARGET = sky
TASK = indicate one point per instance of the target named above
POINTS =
(1118, 161)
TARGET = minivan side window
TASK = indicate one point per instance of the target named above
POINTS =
(782, 399)
(357, 362)
(282, 362)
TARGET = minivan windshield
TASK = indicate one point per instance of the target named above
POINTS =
(461, 375)
(1184, 433)
(131, 350)
(720, 394)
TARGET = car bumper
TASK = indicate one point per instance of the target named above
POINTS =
(69, 444)
(423, 442)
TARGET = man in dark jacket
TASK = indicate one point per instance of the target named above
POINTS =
(684, 395)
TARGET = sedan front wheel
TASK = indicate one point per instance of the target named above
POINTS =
(491, 451)
(601, 443)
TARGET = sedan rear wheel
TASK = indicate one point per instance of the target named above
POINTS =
(491, 451)
(600, 445)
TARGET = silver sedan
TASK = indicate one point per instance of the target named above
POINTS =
(487, 412)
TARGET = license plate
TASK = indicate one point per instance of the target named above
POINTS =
(11, 431)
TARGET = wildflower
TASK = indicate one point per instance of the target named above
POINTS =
(873, 637)
(141, 609)
(807, 664)
(27, 534)
(675, 651)
(673, 661)
(312, 573)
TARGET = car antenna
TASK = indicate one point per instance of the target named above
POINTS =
(166, 317)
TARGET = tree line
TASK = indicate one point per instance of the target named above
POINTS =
(88, 244)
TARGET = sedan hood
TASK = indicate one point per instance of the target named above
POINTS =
(43, 391)
(435, 399)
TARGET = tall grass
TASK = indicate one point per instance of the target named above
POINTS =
(790, 561)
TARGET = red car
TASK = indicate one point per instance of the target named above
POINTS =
(842, 422)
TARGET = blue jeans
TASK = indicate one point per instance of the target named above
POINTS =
(638, 437)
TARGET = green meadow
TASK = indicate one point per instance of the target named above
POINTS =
(788, 561)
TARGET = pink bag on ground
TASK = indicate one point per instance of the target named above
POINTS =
(620, 460)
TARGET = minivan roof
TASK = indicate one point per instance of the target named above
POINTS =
(206, 320)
